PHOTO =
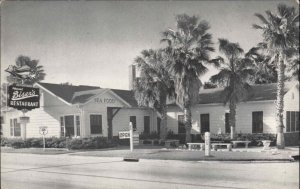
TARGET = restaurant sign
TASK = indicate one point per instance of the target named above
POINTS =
(23, 98)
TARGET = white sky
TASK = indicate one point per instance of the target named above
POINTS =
(94, 42)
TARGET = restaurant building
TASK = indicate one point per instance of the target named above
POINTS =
(88, 111)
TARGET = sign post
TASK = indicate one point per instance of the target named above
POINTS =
(131, 136)
(207, 143)
(43, 132)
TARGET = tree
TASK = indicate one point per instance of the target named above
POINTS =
(26, 71)
(154, 85)
(264, 65)
(280, 33)
(188, 48)
(234, 74)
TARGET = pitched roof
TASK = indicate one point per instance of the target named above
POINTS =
(81, 94)
(84, 96)
(258, 93)
(126, 95)
(66, 92)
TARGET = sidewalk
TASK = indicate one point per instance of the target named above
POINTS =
(238, 154)
(159, 153)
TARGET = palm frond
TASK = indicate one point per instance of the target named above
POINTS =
(262, 18)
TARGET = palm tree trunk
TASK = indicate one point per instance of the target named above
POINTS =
(188, 123)
(163, 128)
(280, 104)
(232, 113)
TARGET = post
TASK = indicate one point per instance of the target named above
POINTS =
(131, 136)
(207, 143)
(44, 142)
(23, 121)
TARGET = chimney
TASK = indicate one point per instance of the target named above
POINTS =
(132, 76)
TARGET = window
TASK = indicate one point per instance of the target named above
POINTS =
(181, 126)
(147, 124)
(62, 127)
(15, 128)
(257, 122)
(204, 121)
(96, 124)
(77, 126)
(70, 126)
(227, 126)
(292, 121)
(132, 119)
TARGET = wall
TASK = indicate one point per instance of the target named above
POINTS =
(47, 115)
(291, 102)
(217, 117)
(121, 120)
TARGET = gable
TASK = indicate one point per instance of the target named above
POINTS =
(106, 98)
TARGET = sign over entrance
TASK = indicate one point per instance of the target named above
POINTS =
(21, 98)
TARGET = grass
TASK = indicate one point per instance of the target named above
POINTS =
(48, 151)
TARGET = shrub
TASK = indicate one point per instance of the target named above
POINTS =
(117, 141)
(55, 142)
(152, 135)
(4, 141)
(89, 143)
(16, 143)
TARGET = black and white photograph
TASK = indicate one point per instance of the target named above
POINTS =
(122, 94)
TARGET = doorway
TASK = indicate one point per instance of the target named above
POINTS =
(204, 121)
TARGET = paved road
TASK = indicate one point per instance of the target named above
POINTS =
(29, 171)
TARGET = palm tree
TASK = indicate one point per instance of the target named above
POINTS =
(34, 74)
(280, 33)
(265, 69)
(154, 85)
(233, 76)
(188, 48)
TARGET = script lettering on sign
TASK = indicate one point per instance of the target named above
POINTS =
(124, 134)
(23, 98)
(105, 100)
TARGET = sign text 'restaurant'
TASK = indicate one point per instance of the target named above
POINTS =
(21, 98)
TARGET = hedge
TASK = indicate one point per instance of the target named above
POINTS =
(255, 138)
(54, 142)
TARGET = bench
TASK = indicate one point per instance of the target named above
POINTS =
(239, 141)
(168, 143)
(228, 145)
(190, 145)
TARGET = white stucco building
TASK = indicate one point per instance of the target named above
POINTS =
(87, 111)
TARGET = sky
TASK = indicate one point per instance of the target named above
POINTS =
(94, 42)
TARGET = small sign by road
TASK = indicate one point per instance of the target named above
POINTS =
(124, 134)
(43, 131)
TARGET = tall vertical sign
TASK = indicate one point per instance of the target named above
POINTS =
(207, 143)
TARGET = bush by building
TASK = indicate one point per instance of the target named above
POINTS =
(54, 142)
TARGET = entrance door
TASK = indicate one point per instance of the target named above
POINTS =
(204, 120)
(146, 124)
(257, 122)
(227, 126)
(158, 126)
(69, 125)
(181, 126)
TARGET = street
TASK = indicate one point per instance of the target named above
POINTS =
(30, 171)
